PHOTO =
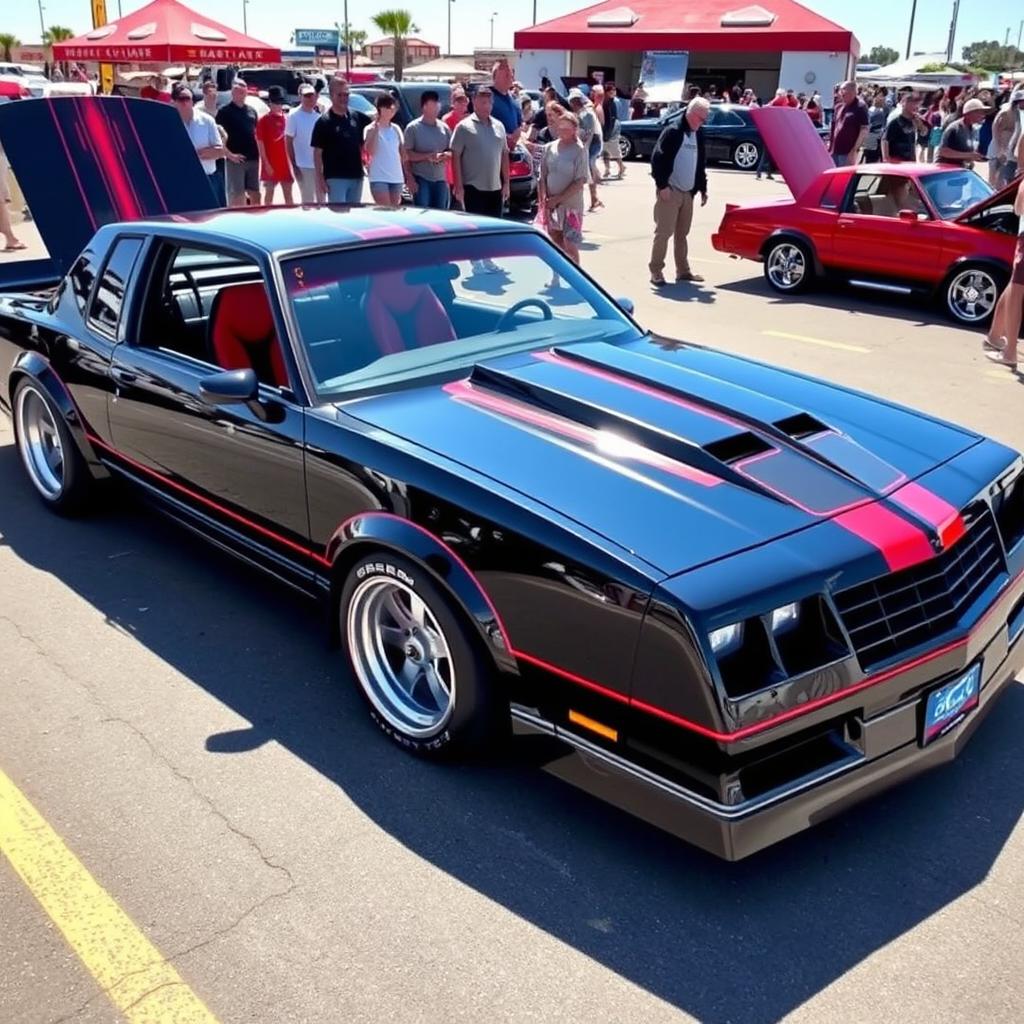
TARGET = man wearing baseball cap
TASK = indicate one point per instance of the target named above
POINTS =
(202, 131)
(957, 145)
(298, 135)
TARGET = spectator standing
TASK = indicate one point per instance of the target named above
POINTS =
(480, 159)
(849, 126)
(678, 169)
(877, 115)
(428, 152)
(459, 112)
(905, 132)
(385, 150)
(504, 106)
(210, 106)
(957, 144)
(203, 134)
(590, 137)
(1006, 135)
(337, 142)
(298, 137)
(611, 149)
(638, 104)
(813, 108)
(563, 177)
(156, 89)
(238, 119)
(11, 241)
(1006, 320)
(275, 167)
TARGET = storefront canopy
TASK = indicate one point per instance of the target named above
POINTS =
(729, 26)
(166, 32)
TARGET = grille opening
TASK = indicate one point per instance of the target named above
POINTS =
(893, 614)
(738, 446)
(815, 640)
(802, 425)
(1010, 513)
(794, 763)
(751, 667)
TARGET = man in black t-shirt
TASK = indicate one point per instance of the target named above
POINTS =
(905, 132)
(238, 119)
(337, 143)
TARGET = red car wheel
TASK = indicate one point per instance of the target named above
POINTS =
(787, 265)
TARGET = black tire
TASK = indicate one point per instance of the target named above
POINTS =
(987, 281)
(746, 155)
(72, 489)
(476, 714)
(788, 265)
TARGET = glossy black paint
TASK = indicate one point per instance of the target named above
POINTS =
(592, 580)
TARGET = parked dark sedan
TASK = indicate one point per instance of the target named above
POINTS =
(730, 136)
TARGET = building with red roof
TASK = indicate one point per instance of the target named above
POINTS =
(766, 45)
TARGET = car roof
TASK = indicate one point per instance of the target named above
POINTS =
(285, 228)
(905, 170)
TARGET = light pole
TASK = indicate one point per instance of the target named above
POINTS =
(42, 24)
(952, 30)
(535, 11)
(450, 2)
(910, 34)
(245, 16)
(493, 16)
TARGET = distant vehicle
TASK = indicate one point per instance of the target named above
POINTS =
(407, 95)
(11, 88)
(729, 135)
(897, 228)
(36, 82)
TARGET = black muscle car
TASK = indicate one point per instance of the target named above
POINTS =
(730, 599)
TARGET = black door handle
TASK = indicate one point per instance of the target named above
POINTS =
(122, 376)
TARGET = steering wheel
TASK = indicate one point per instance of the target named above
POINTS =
(505, 320)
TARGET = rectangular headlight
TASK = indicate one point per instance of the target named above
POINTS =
(726, 639)
(785, 617)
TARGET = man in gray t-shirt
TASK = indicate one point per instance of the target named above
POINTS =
(427, 152)
(480, 159)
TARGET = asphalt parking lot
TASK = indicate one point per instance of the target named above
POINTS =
(179, 724)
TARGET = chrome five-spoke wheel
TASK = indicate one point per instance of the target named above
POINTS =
(39, 442)
(401, 656)
(786, 267)
(746, 155)
(971, 295)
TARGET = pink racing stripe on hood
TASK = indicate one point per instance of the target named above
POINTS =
(901, 543)
(925, 504)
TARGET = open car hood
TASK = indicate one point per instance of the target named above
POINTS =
(86, 161)
(1004, 195)
(676, 454)
(794, 144)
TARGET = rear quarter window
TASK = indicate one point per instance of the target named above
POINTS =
(833, 192)
(108, 301)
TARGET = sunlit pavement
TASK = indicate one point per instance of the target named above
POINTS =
(178, 722)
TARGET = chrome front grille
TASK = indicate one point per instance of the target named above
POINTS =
(893, 614)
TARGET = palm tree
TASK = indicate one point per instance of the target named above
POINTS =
(397, 24)
(355, 38)
(57, 34)
(8, 41)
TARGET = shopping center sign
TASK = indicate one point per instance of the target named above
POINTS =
(319, 38)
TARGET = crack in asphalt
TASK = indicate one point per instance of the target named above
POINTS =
(161, 758)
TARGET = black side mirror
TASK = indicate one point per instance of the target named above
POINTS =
(230, 387)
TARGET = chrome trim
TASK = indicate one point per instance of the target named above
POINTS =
(878, 286)
(673, 789)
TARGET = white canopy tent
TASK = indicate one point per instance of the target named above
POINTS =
(908, 72)
(443, 68)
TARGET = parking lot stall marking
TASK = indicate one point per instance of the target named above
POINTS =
(823, 342)
(131, 972)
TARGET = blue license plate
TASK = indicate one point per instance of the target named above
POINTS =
(948, 705)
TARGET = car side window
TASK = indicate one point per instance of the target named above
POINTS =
(884, 195)
(81, 277)
(108, 300)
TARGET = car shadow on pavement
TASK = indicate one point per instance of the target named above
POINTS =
(747, 942)
(846, 299)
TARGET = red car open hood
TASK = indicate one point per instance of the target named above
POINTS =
(1004, 195)
(793, 144)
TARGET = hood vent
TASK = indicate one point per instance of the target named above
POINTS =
(738, 447)
(800, 426)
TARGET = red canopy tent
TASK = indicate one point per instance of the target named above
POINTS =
(166, 32)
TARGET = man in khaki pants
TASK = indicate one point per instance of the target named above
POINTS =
(677, 166)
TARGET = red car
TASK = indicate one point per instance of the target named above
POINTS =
(899, 228)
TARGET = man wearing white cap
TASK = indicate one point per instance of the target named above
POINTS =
(957, 145)
(298, 134)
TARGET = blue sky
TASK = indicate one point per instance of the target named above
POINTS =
(873, 21)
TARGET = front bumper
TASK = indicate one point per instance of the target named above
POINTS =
(887, 752)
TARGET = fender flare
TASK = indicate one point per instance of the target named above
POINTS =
(382, 529)
(988, 262)
(796, 236)
(37, 368)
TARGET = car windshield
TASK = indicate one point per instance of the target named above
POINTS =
(371, 318)
(952, 192)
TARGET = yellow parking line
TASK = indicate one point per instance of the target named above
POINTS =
(130, 970)
(817, 341)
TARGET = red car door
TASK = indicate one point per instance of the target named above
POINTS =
(872, 238)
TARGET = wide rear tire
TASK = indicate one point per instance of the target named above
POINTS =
(788, 266)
